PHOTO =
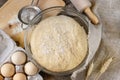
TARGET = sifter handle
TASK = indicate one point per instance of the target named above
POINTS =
(33, 1)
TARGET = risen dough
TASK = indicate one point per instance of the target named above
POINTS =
(59, 43)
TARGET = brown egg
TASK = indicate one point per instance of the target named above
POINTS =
(8, 70)
(18, 58)
(1, 78)
(30, 68)
(19, 76)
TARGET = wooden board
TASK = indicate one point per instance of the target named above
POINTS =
(9, 12)
(9, 20)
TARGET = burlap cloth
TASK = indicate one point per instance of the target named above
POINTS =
(108, 12)
(109, 15)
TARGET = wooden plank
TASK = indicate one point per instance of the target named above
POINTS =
(10, 10)
(9, 21)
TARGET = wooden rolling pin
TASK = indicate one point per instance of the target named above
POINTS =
(43, 4)
(84, 6)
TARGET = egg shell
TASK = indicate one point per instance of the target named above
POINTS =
(18, 58)
(19, 76)
(30, 69)
(7, 70)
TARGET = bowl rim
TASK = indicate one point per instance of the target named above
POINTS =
(29, 52)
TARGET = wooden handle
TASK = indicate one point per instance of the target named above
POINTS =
(43, 4)
(91, 15)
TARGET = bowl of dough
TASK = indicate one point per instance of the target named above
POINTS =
(57, 40)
